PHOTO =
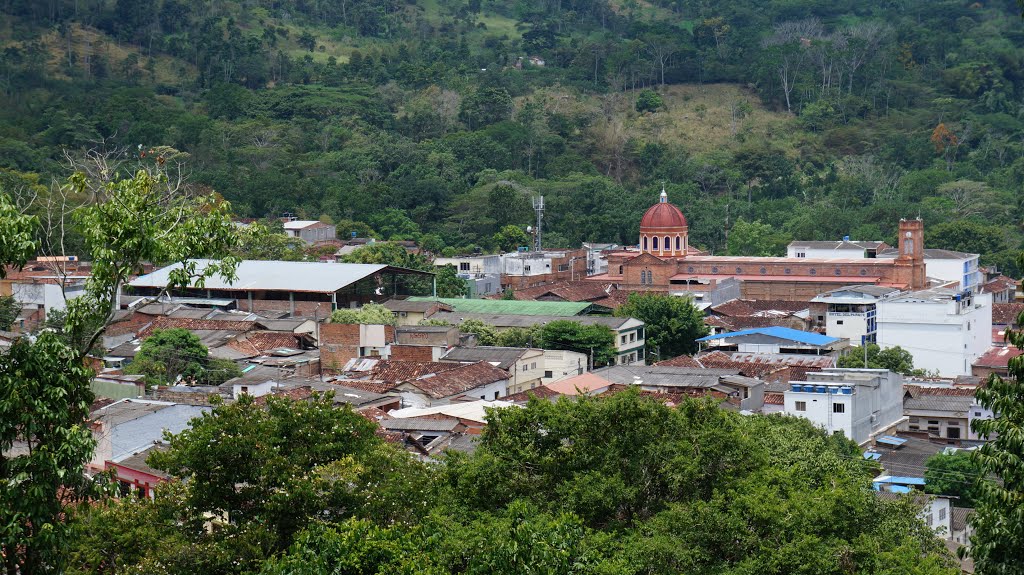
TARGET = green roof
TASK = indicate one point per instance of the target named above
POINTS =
(517, 307)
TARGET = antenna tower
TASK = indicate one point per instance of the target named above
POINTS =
(538, 206)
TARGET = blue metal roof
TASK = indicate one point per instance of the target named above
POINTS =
(890, 440)
(896, 479)
(805, 337)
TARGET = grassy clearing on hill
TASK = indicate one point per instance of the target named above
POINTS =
(699, 118)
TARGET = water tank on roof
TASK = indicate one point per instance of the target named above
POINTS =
(819, 389)
(795, 386)
(846, 390)
(809, 388)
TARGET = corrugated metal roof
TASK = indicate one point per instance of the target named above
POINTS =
(806, 337)
(513, 307)
(278, 276)
(501, 357)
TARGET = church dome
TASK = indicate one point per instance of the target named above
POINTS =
(663, 215)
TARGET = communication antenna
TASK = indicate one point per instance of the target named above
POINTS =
(538, 207)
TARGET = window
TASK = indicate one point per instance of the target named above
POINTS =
(838, 408)
(801, 254)
(623, 339)
(913, 420)
(464, 266)
(495, 395)
(563, 267)
(932, 422)
(654, 243)
(839, 322)
(929, 520)
(977, 414)
(942, 513)
(801, 406)
(667, 244)
(533, 365)
(645, 244)
(953, 432)
(548, 374)
(677, 244)
(527, 268)
(632, 337)
(525, 367)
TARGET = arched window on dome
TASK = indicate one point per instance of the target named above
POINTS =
(668, 244)
(678, 249)
(654, 243)
(645, 243)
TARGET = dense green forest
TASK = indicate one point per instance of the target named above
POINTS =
(439, 119)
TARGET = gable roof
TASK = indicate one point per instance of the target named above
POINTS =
(501, 357)
(585, 383)
(397, 371)
(752, 307)
(575, 291)
(192, 324)
(458, 380)
(804, 337)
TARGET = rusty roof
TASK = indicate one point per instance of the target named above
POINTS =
(260, 342)
(1006, 313)
(720, 360)
(461, 379)
(398, 371)
(193, 324)
(575, 291)
(998, 357)
(752, 307)
(998, 284)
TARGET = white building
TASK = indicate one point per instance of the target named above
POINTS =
(481, 272)
(861, 403)
(977, 412)
(561, 364)
(949, 266)
(945, 330)
(844, 249)
(310, 231)
(851, 311)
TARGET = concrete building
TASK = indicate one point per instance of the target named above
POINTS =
(948, 266)
(409, 312)
(310, 231)
(465, 382)
(860, 403)
(482, 272)
(524, 366)
(560, 364)
(939, 415)
(851, 312)
(828, 250)
(945, 330)
(531, 268)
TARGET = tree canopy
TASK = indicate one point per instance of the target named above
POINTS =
(673, 324)
(371, 313)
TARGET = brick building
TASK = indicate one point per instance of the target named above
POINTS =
(664, 260)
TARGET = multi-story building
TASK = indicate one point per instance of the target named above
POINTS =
(851, 311)
(861, 403)
(945, 330)
(949, 266)
(310, 231)
(531, 268)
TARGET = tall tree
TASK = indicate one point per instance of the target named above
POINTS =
(999, 513)
(44, 384)
(596, 341)
(672, 324)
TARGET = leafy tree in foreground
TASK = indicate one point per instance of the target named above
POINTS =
(999, 519)
(44, 386)
(673, 324)
(955, 474)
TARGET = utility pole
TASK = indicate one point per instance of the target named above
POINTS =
(864, 345)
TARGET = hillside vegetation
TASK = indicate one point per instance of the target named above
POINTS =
(433, 120)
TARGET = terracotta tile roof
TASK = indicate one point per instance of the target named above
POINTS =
(461, 379)
(398, 371)
(374, 414)
(922, 391)
(1006, 313)
(540, 392)
(368, 385)
(260, 342)
(774, 399)
(999, 336)
(197, 325)
(721, 360)
(998, 357)
(998, 284)
(799, 372)
(750, 307)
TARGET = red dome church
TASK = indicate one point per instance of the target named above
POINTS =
(664, 261)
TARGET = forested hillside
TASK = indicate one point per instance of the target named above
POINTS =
(438, 119)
